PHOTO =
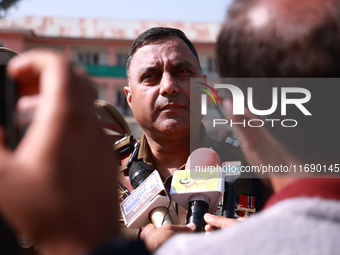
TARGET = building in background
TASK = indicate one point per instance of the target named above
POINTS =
(101, 47)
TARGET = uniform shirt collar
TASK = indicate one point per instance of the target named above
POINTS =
(144, 152)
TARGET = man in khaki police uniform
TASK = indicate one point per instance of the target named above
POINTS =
(159, 68)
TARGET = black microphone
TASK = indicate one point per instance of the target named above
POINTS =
(229, 194)
(138, 172)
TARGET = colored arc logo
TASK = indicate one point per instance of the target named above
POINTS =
(209, 93)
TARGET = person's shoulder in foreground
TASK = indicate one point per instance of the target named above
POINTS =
(291, 225)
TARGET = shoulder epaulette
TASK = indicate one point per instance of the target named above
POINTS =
(125, 144)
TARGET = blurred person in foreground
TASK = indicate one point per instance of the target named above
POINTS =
(53, 189)
(283, 38)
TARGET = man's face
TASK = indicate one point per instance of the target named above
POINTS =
(159, 77)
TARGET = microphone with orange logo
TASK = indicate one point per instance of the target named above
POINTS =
(199, 188)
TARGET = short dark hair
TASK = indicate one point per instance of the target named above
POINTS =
(304, 44)
(300, 41)
(156, 34)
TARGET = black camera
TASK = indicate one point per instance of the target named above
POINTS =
(8, 99)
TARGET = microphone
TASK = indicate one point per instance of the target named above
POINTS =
(231, 176)
(200, 186)
(149, 201)
(138, 172)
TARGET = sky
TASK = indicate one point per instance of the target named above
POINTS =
(157, 10)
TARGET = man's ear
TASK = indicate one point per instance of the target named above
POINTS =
(205, 77)
(128, 95)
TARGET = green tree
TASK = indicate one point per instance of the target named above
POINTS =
(5, 5)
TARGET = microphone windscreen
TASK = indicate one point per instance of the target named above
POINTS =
(202, 157)
(138, 172)
(202, 177)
